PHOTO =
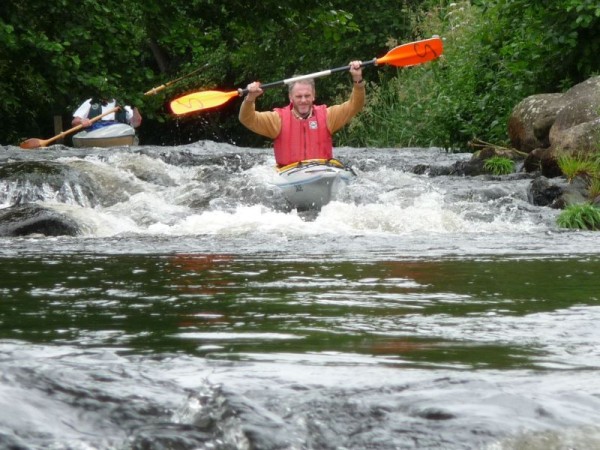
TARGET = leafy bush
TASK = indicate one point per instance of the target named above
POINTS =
(583, 216)
(465, 94)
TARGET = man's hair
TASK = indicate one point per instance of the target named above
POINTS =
(309, 81)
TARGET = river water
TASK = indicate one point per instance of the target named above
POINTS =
(193, 311)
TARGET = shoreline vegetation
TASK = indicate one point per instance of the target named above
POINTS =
(496, 53)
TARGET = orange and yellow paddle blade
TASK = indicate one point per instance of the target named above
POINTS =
(413, 53)
(200, 101)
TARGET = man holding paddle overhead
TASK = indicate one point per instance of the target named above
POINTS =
(302, 130)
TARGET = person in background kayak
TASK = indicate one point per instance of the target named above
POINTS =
(302, 130)
(93, 107)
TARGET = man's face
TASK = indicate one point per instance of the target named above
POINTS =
(302, 98)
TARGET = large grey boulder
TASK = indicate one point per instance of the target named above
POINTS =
(581, 105)
(530, 122)
(548, 125)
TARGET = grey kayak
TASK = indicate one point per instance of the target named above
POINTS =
(114, 135)
(309, 185)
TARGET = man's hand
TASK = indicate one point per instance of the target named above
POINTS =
(254, 91)
(356, 71)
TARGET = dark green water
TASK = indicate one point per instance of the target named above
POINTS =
(227, 306)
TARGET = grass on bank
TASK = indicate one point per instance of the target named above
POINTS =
(499, 165)
(583, 216)
(582, 165)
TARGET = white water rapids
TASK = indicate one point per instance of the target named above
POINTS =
(218, 190)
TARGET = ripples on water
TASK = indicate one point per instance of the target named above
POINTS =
(194, 312)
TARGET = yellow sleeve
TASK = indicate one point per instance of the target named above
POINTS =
(340, 115)
(267, 123)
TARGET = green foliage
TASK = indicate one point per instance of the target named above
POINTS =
(461, 96)
(585, 216)
(499, 165)
(55, 54)
(580, 216)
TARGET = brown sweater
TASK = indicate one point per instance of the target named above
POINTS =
(268, 123)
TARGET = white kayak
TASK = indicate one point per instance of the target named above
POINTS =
(309, 185)
(114, 134)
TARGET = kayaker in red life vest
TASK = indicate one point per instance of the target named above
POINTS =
(302, 130)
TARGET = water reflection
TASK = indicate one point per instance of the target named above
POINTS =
(200, 274)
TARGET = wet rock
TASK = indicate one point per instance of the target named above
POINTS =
(544, 161)
(231, 163)
(435, 414)
(558, 193)
(433, 171)
(459, 168)
(30, 219)
(473, 167)
(32, 180)
(543, 193)
(574, 193)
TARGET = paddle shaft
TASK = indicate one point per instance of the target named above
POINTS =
(156, 89)
(322, 73)
(404, 54)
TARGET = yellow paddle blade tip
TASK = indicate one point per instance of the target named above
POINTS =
(200, 101)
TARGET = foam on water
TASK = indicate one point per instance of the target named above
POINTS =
(426, 212)
(192, 191)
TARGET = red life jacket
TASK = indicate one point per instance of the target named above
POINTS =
(299, 139)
